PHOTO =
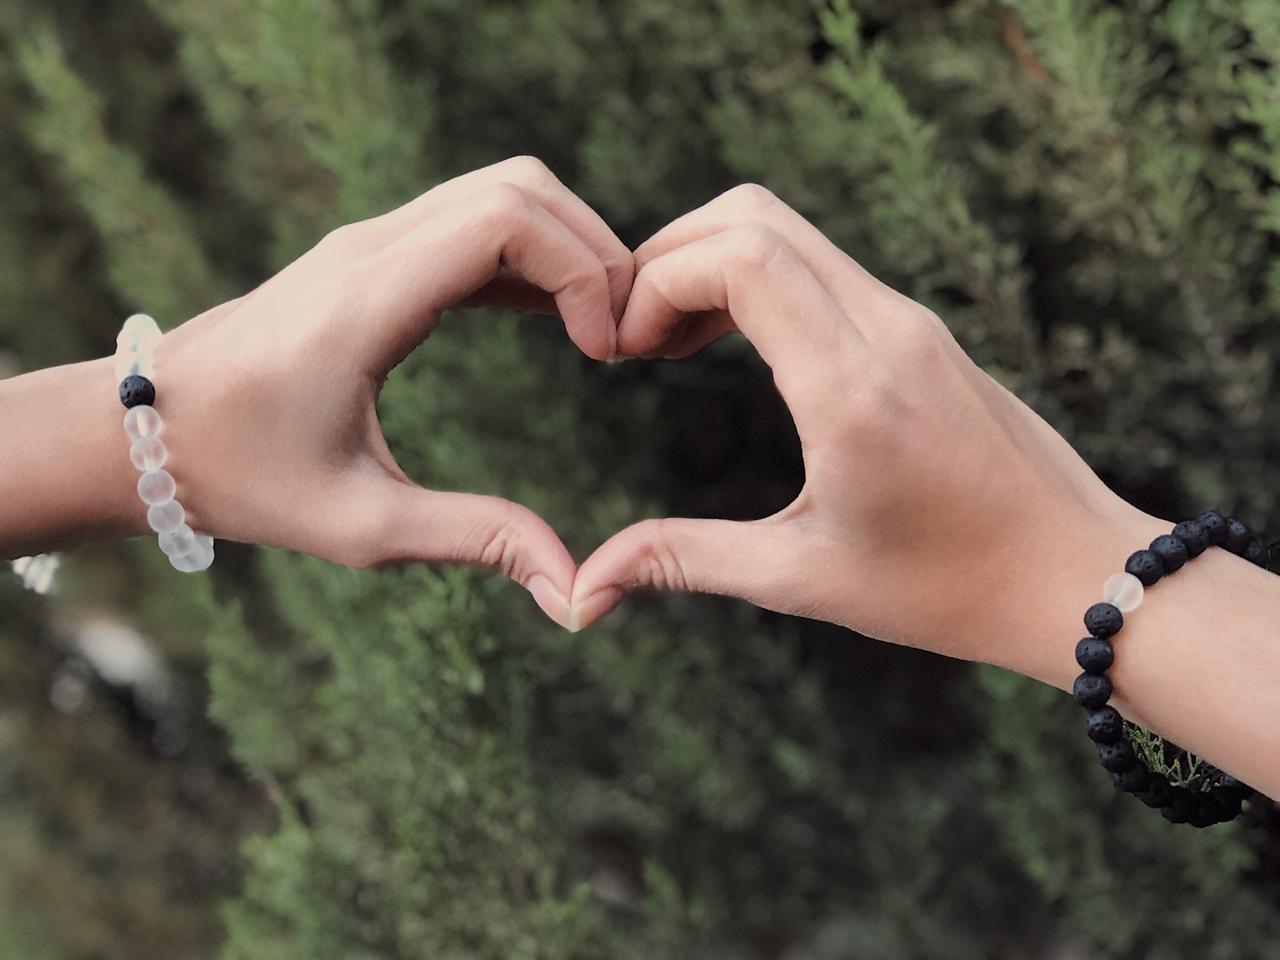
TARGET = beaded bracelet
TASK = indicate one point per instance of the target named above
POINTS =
(1217, 796)
(188, 551)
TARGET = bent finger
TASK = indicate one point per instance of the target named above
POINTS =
(535, 178)
(414, 524)
(867, 301)
(751, 560)
(406, 285)
(752, 275)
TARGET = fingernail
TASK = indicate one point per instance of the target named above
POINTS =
(552, 601)
(588, 611)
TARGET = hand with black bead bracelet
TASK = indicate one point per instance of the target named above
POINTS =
(938, 510)
(1206, 797)
(268, 401)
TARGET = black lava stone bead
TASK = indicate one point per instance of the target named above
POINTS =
(1116, 757)
(1181, 807)
(1203, 818)
(1158, 792)
(1215, 526)
(1171, 551)
(1094, 654)
(1213, 810)
(1091, 689)
(1133, 780)
(1192, 534)
(1104, 620)
(1229, 802)
(1256, 552)
(136, 391)
(1144, 565)
(1104, 725)
(1237, 537)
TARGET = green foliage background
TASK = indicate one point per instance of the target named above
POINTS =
(1086, 191)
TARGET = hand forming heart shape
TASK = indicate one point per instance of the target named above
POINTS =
(926, 481)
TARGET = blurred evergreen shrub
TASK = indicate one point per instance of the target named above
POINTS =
(1085, 190)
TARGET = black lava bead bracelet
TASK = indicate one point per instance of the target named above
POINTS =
(1217, 796)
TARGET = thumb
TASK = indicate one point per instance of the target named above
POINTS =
(737, 559)
(434, 527)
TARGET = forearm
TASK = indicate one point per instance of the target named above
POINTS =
(67, 476)
(1198, 662)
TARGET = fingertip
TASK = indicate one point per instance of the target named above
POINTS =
(590, 323)
(608, 568)
(602, 350)
(551, 601)
(590, 609)
(635, 338)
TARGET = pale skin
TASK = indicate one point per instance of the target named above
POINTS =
(938, 510)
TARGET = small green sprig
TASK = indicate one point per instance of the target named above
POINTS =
(1181, 767)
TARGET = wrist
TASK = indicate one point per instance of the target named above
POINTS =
(69, 478)
(1045, 613)
(115, 509)
(1187, 660)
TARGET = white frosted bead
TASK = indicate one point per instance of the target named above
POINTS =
(167, 516)
(135, 346)
(187, 563)
(142, 421)
(179, 541)
(199, 558)
(1123, 590)
(140, 329)
(148, 453)
(156, 486)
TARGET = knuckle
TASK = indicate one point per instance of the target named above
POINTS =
(658, 563)
(756, 247)
(342, 241)
(503, 203)
(529, 170)
(502, 547)
(917, 343)
(588, 275)
(750, 198)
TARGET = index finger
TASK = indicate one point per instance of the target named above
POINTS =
(405, 286)
(535, 178)
(871, 304)
(752, 274)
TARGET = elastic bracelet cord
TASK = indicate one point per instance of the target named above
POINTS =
(188, 551)
(1203, 794)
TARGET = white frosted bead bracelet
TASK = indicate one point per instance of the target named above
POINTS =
(188, 551)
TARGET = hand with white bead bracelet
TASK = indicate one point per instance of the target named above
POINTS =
(265, 426)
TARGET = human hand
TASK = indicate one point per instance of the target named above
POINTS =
(269, 400)
(938, 510)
